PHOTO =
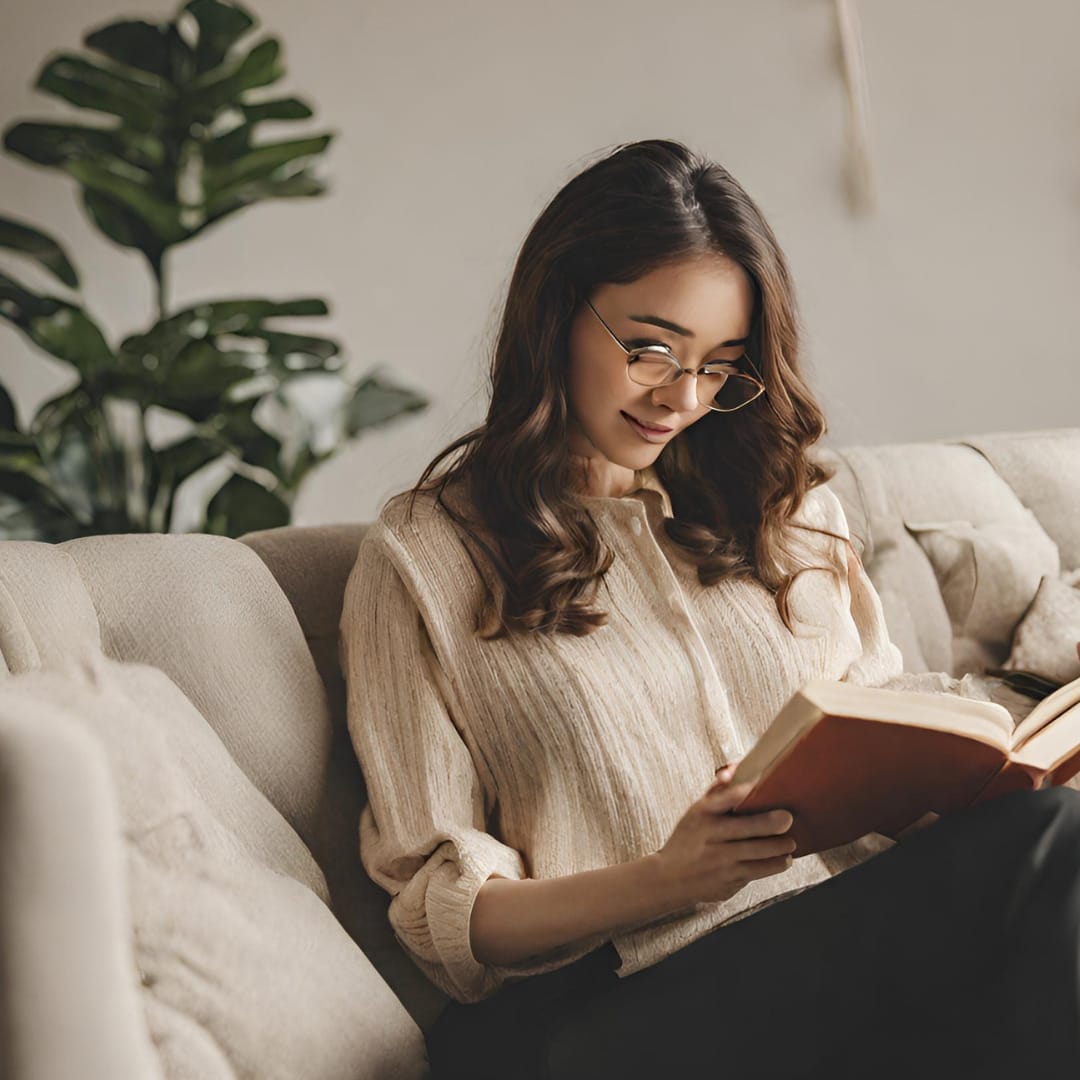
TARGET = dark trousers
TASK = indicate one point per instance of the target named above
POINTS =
(954, 953)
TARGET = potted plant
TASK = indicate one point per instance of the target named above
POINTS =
(180, 153)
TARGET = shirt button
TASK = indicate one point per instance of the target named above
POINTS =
(635, 526)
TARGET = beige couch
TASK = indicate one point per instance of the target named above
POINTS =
(181, 892)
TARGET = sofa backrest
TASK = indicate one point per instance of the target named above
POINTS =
(1027, 483)
(209, 613)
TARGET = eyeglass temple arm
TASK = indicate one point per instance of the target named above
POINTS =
(607, 328)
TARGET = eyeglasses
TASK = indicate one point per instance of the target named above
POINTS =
(720, 386)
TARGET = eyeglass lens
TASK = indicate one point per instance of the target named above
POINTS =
(721, 390)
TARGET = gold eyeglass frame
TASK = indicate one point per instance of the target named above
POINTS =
(664, 351)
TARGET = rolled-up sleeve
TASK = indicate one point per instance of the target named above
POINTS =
(422, 834)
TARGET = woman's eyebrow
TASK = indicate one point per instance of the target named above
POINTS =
(675, 328)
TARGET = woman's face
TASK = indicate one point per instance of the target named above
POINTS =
(705, 305)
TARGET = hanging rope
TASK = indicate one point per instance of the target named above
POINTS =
(863, 184)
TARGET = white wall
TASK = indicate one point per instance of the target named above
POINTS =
(954, 309)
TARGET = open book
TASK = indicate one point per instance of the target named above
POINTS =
(847, 760)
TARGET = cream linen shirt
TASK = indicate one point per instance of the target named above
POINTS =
(536, 756)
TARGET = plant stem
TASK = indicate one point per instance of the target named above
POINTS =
(158, 267)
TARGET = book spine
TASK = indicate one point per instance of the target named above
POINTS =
(1012, 776)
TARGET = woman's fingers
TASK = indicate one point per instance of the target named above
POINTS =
(771, 847)
(722, 797)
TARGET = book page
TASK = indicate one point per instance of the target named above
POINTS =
(1054, 743)
(1058, 702)
(986, 721)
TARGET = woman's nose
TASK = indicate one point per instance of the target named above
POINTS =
(679, 396)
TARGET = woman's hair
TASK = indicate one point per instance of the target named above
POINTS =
(735, 479)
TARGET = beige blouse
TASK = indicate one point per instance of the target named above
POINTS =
(535, 756)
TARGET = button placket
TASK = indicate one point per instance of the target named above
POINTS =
(722, 733)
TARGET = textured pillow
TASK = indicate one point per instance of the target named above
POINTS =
(244, 970)
(1046, 638)
(989, 573)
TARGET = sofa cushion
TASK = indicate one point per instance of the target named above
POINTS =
(918, 483)
(312, 564)
(910, 598)
(1042, 468)
(989, 573)
(244, 970)
(205, 610)
(1045, 640)
(46, 615)
(69, 1004)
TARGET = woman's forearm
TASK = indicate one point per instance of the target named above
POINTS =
(515, 919)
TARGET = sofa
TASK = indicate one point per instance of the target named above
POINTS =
(182, 894)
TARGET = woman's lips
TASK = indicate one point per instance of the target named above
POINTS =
(649, 434)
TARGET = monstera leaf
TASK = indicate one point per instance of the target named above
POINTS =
(181, 150)
(173, 147)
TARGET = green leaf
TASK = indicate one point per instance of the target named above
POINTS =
(262, 162)
(242, 505)
(135, 43)
(23, 476)
(248, 440)
(220, 25)
(301, 186)
(121, 225)
(240, 316)
(212, 92)
(35, 521)
(375, 401)
(135, 194)
(181, 459)
(56, 413)
(138, 101)
(227, 147)
(41, 247)
(54, 144)
(279, 109)
(68, 454)
(56, 326)
(199, 377)
(8, 416)
(204, 354)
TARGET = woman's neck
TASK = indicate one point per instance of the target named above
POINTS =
(598, 478)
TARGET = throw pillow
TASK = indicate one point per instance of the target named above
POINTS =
(244, 970)
(988, 574)
(1045, 640)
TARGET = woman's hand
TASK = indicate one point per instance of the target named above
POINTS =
(711, 854)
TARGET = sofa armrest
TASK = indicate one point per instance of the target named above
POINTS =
(69, 1001)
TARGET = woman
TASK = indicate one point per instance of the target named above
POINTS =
(583, 614)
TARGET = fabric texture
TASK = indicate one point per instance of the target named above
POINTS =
(69, 1000)
(1045, 640)
(46, 614)
(989, 573)
(1040, 467)
(544, 756)
(207, 612)
(243, 969)
(910, 597)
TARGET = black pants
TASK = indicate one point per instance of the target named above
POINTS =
(954, 953)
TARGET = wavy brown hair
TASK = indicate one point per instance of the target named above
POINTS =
(735, 479)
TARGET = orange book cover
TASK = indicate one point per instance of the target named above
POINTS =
(847, 760)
